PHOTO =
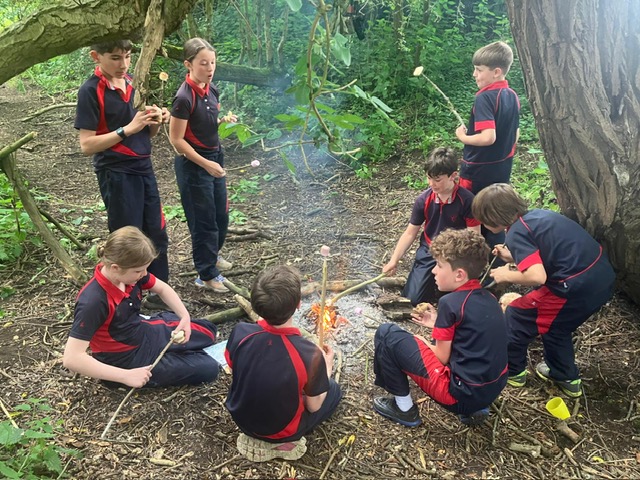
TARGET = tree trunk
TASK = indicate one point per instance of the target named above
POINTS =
(61, 29)
(581, 68)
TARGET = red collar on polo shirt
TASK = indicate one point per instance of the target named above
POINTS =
(494, 86)
(98, 73)
(113, 291)
(472, 284)
(197, 88)
(278, 331)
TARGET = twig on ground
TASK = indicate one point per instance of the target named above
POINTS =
(4, 409)
(236, 289)
(338, 365)
(533, 450)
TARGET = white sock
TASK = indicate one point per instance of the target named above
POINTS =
(404, 403)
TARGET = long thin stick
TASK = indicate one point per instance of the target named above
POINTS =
(488, 269)
(124, 400)
(323, 298)
(419, 71)
(356, 287)
(15, 425)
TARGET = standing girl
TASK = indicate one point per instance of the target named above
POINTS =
(124, 343)
(200, 162)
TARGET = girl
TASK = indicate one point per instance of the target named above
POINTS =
(125, 343)
(200, 162)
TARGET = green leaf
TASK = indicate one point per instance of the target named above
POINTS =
(252, 139)
(9, 472)
(274, 134)
(9, 435)
(288, 164)
(294, 5)
(340, 48)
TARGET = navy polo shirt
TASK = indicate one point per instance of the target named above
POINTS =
(564, 248)
(437, 216)
(108, 318)
(272, 369)
(200, 106)
(471, 318)
(496, 107)
(103, 108)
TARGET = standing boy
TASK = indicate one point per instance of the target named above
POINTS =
(492, 133)
(281, 388)
(466, 369)
(119, 138)
(443, 205)
(569, 270)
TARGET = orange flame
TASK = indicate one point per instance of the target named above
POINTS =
(330, 319)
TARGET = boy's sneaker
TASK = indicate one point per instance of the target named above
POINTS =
(260, 451)
(223, 264)
(153, 302)
(571, 388)
(387, 407)
(476, 418)
(519, 380)
(214, 284)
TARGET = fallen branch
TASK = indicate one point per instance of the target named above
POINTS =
(356, 287)
(533, 450)
(565, 430)
(17, 144)
(47, 109)
(247, 237)
(236, 289)
(246, 306)
(15, 425)
(340, 285)
(62, 228)
(226, 315)
(338, 365)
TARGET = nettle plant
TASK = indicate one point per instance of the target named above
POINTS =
(29, 451)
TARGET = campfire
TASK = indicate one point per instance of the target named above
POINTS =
(331, 320)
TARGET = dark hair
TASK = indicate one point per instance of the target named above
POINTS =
(498, 205)
(193, 46)
(127, 247)
(275, 294)
(441, 161)
(465, 249)
(495, 55)
(112, 46)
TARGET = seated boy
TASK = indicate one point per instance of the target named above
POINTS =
(443, 205)
(466, 369)
(570, 274)
(281, 388)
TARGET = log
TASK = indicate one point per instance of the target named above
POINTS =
(341, 285)
(48, 109)
(246, 306)
(533, 450)
(565, 430)
(226, 315)
(236, 289)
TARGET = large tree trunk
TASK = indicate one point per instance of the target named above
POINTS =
(581, 66)
(60, 29)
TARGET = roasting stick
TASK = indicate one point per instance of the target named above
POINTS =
(419, 72)
(324, 251)
(177, 338)
(355, 287)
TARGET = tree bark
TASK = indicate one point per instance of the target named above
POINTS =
(581, 68)
(60, 29)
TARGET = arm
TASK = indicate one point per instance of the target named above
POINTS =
(483, 139)
(76, 359)
(404, 242)
(503, 252)
(532, 276)
(313, 404)
(171, 298)
(177, 129)
(91, 142)
(442, 350)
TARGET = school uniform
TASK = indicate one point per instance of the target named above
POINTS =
(109, 319)
(471, 318)
(125, 174)
(580, 280)
(204, 197)
(273, 368)
(436, 216)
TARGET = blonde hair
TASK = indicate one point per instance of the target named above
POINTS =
(495, 55)
(507, 298)
(127, 247)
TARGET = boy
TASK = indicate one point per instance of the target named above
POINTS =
(569, 270)
(281, 388)
(443, 205)
(466, 369)
(491, 136)
(119, 138)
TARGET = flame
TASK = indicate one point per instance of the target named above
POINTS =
(330, 319)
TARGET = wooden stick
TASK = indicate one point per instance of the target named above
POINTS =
(323, 298)
(564, 429)
(488, 269)
(246, 306)
(356, 287)
(340, 285)
(124, 400)
(47, 109)
(225, 315)
(17, 144)
(15, 425)
(235, 289)
(446, 99)
(338, 365)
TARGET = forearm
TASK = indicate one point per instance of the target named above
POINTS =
(482, 139)
(92, 144)
(171, 298)
(313, 404)
(185, 149)
(404, 243)
(85, 364)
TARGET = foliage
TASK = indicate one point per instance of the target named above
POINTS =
(30, 451)
(15, 225)
(532, 181)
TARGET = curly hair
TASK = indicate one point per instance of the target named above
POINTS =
(275, 294)
(465, 249)
(127, 247)
(498, 205)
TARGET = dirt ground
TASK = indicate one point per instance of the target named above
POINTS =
(190, 429)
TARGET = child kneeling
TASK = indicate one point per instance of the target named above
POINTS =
(125, 343)
(466, 369)
(281, 388)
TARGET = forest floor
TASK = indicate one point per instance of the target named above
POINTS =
(190, 430)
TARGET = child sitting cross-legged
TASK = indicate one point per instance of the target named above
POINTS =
(466, 369)
(281, 387)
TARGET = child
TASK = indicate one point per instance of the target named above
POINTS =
(466, 369)
(491, 136)
(571, 275)
(200, 163)
(281, 387)
(123, 342)
(443, 205)
(119, 138)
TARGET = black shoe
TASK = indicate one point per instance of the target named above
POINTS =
(154, 302)
(476, 418)
(387, 407)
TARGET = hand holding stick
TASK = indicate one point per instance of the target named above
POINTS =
(419, 72)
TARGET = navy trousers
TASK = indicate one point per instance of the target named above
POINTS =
(134, 200)
(204, 200)
(421, 284)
